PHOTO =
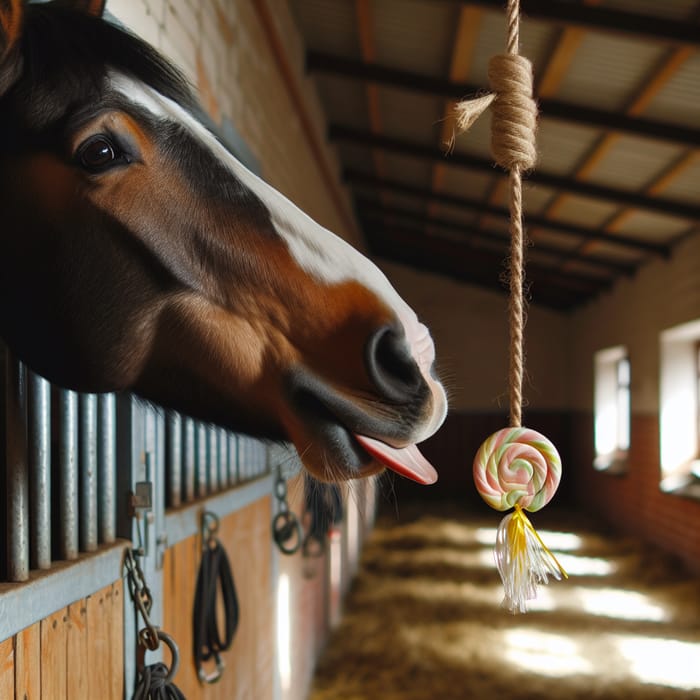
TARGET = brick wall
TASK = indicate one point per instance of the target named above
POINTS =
(224, 49)
(632, 502)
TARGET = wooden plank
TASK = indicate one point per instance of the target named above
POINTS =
(7, 668)
(116, 642)
(468, 26)
(662, 75)
(78, 651)
(99, 620)
(596, 156)
(365, 32)
(53, 656)
(560, 61)
(180, 567)
(28, 663)
(672, 172)
(249, 663)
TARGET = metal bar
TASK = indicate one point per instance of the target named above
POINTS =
(188, 449)
(17, 480)
(68, 467)
(40, 471)
(232, 459)
(106, 467)
(87, 458)
(174, 459)
(223, 458)
(243, 462)
(213, 458)
(201, 459)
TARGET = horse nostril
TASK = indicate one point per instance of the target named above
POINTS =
(391, 366)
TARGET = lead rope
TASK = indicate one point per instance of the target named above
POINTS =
(516, 467)
(214, 575)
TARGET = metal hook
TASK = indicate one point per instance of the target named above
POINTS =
(174, 653)
(216, 674)
(210, 528)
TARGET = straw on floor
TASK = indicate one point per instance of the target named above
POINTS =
(423, 619)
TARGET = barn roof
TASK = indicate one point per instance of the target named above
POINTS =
(618, 177)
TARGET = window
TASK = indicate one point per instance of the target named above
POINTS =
(612, 408)
(680, 408)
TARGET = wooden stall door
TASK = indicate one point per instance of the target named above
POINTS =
(250, 668)
(75, 653)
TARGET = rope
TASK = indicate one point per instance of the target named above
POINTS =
(513, 130)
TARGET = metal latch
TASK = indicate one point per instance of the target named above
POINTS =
(142, 498)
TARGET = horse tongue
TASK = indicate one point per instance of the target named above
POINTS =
(406, 461)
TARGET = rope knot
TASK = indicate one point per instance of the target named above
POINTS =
(514, 112)
(513, 131)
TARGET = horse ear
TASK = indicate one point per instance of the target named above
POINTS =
(11, 13)
(90, 7)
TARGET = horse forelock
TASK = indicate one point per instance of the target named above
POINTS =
(63, 57)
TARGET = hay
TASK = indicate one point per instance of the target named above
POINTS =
(423, 620)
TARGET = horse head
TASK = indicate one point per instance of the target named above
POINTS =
(138, 254)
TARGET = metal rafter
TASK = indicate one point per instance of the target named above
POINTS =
(466, 263)
(338, 133)
(374, 210)
(604, 19)
(550, 108)
(354, 177)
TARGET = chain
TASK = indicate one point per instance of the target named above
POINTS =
(286, 528)
(142, 597)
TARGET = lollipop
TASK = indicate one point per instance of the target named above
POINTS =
(519, 468)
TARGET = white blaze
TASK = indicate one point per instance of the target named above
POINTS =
(318, 251)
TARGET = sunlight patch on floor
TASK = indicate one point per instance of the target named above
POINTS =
(622, 605)
(576, 565)
(556, 541)
(545, 654)
(662, 661)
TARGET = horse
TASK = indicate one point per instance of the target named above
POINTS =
(138, 254)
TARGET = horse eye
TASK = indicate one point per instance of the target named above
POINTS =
(97, 154)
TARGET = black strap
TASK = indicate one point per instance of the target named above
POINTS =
(214, 575)
(153, 684)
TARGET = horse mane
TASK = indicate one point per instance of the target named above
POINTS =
(88, 48)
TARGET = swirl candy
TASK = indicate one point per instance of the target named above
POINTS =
(517, 466)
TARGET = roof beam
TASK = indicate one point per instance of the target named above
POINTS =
(445, 256)
(604, 19)
(375, 210)
(354, 177)
(649, 88)
(549, 108)
(669, 207)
